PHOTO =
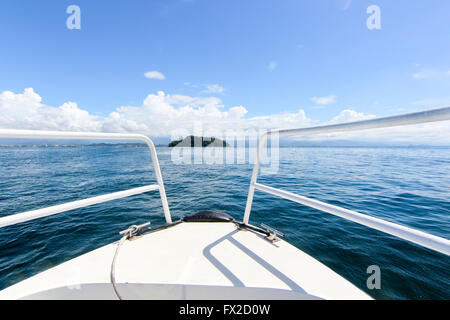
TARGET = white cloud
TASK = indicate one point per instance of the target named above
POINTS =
(208, 88)
(164, 114)
(25, 111)
(214, 88)
(272, 66)
(424, 74)
(432, 103)
(154, 75)
(160, 114)
(430, 73)
(347, 5)
(324, 100)
(350, 116)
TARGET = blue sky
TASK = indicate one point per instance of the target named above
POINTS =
(270, 57)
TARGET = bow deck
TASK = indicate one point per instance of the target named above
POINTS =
(190, 260)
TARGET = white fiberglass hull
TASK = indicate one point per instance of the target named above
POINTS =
(191, 261)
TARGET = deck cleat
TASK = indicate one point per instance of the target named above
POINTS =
(273, 233)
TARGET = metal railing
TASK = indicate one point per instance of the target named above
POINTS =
(36, 214)
(418, 237)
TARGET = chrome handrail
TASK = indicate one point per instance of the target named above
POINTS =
(36, 214)
(421, 238)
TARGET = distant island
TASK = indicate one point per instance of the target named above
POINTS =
(194, 141)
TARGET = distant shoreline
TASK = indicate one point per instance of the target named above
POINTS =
(143, 145)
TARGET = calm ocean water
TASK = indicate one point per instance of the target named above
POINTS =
(410, 186)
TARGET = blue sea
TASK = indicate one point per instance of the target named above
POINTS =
(410, 186)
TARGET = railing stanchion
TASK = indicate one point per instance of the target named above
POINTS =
(251, 191)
